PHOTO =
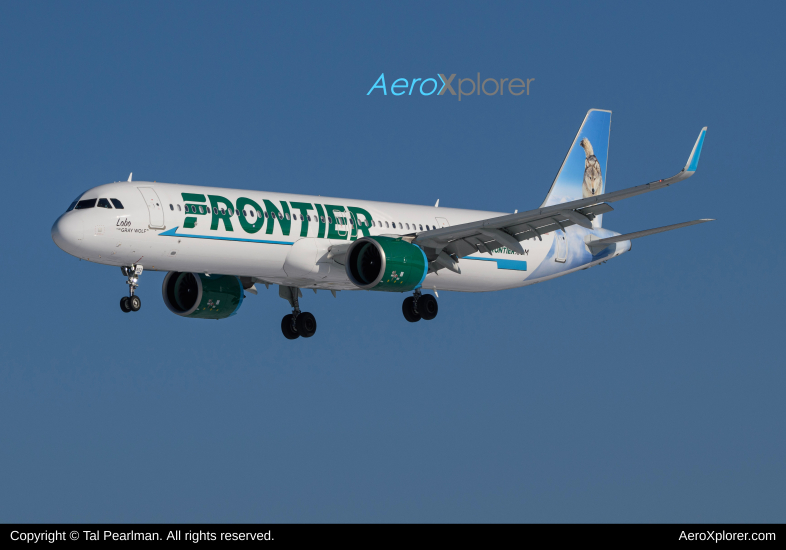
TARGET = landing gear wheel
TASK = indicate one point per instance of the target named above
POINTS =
(134, 303)
(408, 307)
(124, 304)
(427, 307)
(306, 325)
(286, 328)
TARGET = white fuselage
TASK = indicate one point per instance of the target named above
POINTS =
(153, 230)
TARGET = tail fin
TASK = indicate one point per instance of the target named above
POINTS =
(583, 172)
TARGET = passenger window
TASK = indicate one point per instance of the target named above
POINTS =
(178, 208)
(171, 206)
(407, 226)
(287, 215)
(87, 203)
(117, 203)
(103, 203)
(322, 219)
(267, 214)
(201, 209)
(421, 228)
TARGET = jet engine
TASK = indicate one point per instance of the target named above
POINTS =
(386, 264)
(200, 296)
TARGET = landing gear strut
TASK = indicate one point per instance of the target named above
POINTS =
(131, 302)
(297, 323)
(420, 306)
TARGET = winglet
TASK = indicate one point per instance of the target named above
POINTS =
(129, 176)
(693, 159)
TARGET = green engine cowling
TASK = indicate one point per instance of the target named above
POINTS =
(200, 296)
(386, 264)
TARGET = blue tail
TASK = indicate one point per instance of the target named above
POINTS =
(583, 172)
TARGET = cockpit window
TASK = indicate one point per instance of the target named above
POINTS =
(87, 203)
(117, 203)
(73, 204)
(103, 203)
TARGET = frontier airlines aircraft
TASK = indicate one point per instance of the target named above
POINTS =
(216, 244)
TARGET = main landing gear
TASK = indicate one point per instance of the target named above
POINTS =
(297, 323)
(420, 306)
(131, 302)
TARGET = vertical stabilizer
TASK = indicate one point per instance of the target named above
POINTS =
(583, 172)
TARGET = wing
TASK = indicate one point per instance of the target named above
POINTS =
(485, 235)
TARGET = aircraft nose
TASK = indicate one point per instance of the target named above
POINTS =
(67, 232)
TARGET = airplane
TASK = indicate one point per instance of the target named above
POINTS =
(216, 244)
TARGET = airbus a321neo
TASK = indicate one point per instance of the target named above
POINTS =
(216, 243)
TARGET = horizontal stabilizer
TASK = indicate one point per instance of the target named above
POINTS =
(596, 245)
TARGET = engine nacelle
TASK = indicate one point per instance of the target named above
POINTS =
(385, 264)
(201, 296)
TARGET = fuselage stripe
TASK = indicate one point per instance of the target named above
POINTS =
(515, 265)
(173, 233)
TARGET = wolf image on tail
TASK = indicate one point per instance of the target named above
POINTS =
(593, 180)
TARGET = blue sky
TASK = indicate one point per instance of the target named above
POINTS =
(648, 389)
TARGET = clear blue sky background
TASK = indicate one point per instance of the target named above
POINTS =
(648, 389)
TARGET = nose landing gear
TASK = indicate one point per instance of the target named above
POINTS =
(131, 302)
(297, 323)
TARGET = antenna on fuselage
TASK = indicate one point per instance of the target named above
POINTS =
(129, 176)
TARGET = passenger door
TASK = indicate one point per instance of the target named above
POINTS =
(562, 246)
(154, 207)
